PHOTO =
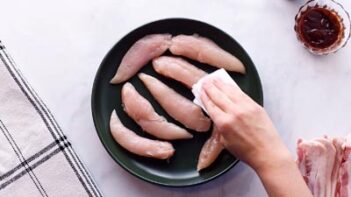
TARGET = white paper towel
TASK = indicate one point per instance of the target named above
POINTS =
(220, 74)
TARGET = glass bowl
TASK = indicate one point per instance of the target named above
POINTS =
(344, 19)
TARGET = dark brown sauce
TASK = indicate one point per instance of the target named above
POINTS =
(319, 27)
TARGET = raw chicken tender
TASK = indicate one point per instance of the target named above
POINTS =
(142, 112)
(140, 54)
(176, 105)
(178, 69)
(136, 144)
(210, 151)
(206, 51)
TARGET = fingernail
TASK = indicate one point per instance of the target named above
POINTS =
(202, 94)
(206, 84)
(217, 81)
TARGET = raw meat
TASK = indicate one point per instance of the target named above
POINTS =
(142, 112)
(206, 51)
(140, 54)
(136, 144)
(325, 164)
(316, 159)
(178, 69)
(210, 151)
(176, 105)
(344, 184)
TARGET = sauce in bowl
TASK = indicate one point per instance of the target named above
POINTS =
(322, 26)
(319, 27)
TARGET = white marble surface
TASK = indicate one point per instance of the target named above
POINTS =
(60, 44)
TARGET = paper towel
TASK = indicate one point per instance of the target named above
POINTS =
(220, 74)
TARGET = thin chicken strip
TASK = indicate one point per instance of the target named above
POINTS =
(210, 151)
(136, 144)
(140, 54)
(142, 112)
(178, 69)
(176, 105)
(206, 51)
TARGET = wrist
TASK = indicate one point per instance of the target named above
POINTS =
(283, 178)
(272, 165)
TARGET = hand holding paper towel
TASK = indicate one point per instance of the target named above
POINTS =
(218, 74)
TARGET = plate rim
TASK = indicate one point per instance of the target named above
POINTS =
(97, 127)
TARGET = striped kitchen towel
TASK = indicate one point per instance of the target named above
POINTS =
(36, 159)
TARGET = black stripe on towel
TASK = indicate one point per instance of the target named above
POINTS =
(43, 118)
(33, 157)
(50, 119)
(36, 164)
(20, 157)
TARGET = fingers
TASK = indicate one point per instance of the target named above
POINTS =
(218, 97)
(213, 111)
(233, 92)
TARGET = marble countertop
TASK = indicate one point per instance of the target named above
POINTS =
(59, 45)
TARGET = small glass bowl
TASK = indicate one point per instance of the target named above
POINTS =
(344, 17)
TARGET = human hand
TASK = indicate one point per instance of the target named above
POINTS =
(249, 134)
(247, 131)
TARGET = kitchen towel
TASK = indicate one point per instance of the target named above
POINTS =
(36, 159)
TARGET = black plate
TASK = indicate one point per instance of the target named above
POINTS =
(180, 170)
